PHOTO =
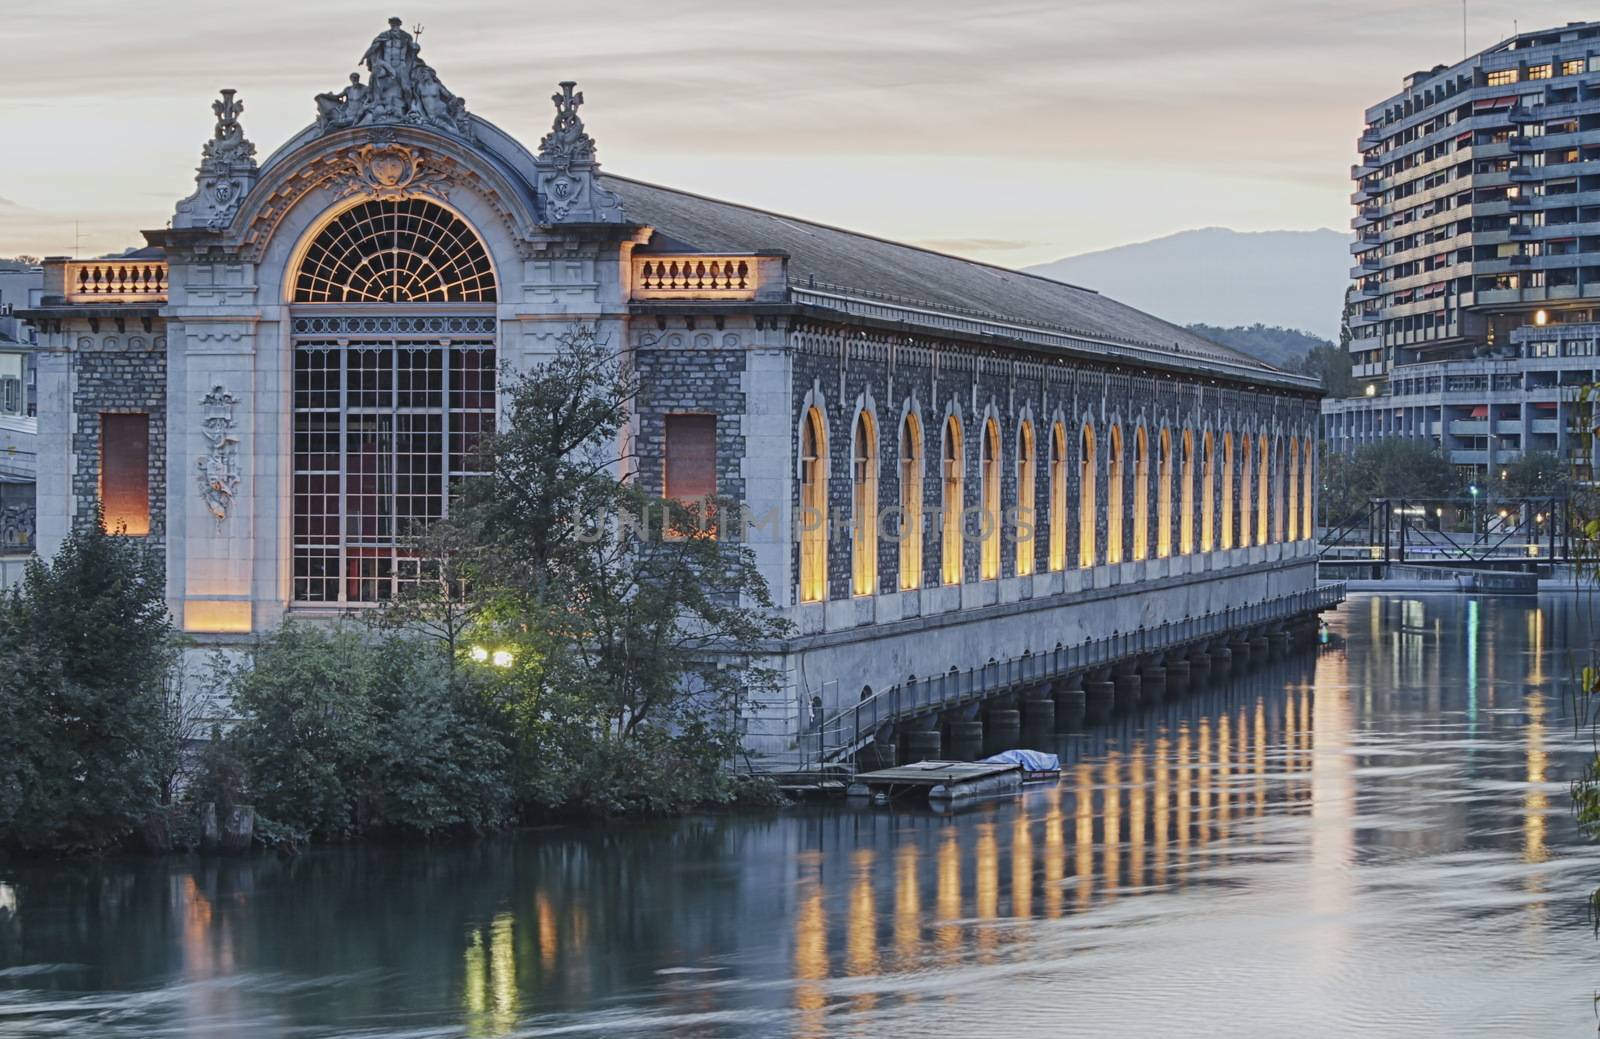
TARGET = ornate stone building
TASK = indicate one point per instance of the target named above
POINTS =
(944, 462)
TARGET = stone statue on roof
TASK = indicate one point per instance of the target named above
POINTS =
(400, 88)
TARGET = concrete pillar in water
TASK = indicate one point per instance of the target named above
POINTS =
(1071, 705)
(919, 740)
(1260, 649)
(1221, 663)
(1199, 668)
(966, 740)
(1038, 716)
(1099, 696)
(1152, 683)
(1127, 691)
(1002, 729)
(1179, 672)
(1279, 644)
(1241, 655)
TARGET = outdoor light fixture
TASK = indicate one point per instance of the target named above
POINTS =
(478, 653)
(1372, 389)
(1540, 317)
(502, 658)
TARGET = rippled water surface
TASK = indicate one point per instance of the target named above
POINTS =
(1375, 841)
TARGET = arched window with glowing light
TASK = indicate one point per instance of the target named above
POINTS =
(1308, 496)
(1164, 494)
(1058, 497)
(1186, 497)
(1115, 477)
(864, 507)
(1293, 482)
(389, 401)
(1263, 488)
(910, 503)
(1245, 497)
(813, 507)
(991, 518)
(1208, 492)
(1141, 494)
(1025, 519)
(1088, 513)
(951, 540)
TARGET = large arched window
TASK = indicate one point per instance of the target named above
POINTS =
(1246, 446)
(1208, 493)
(1026, 467)
(813, 508)
(1164, 494)
(864, 507)
(411, 251)
(1226, 511)
(1088, 512)
(1186, 499)
(1263, 489)
(1308, 495)
(1058, 497)
(1114, 481)
(1141, 494)
(951, 537)
(910, 503)
(990, 517)
(388, 404)
(1293, 483)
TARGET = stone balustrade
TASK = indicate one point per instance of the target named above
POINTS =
(116, 281)
(694, 277)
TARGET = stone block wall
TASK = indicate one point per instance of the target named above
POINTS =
(126, 374)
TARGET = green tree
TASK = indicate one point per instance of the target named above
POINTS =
(1331, 365)
(1537, 474)
(1395, 467)
(86, 654)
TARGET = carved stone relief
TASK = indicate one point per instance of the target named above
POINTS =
(219, 466)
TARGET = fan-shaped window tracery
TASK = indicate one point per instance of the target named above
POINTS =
(406, 251)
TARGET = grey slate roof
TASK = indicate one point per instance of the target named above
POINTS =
(686, 222)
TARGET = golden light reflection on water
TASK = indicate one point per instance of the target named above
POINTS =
(1163, 795)
(1224, 757)
(861, 959)
(1055, 853)
(1136, 816)
(1083, 834)
(489, 978)
(1022, 864)
(1203, 770)
(811, 948)
(1111, 842)
(986, 866)
(949, 893)
(1535, 802)
(907, 906)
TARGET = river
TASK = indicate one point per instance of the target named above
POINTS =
(1376, 840)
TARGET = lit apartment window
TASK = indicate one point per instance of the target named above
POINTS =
(1087, 515)
(813, 508)
(1539, 71)
(911, 503)
(1114, 481)
(1058, 497)
(951, 540)
(1026, 466)
(990, 518)
(1501, 78)
(864, 499)
(125, 473)
(1572, 68)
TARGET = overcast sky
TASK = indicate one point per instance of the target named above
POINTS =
(1015, 132)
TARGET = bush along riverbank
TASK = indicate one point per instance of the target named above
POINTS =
(546, 664)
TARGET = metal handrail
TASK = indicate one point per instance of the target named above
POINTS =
(856, 724)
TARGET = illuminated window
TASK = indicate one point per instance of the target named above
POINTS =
(411, 251)
(1186, 522)
(911, 503)
(1572, 68)
(690, 462)
(1308, 494)
(125, 473)
(1114, 480)
(1245, 498)
(1208, 494)
(864, 495)
(1088, 514)
(1263, 488)
(1025, 516)
(813, 508)
(1058, 497)
(1538, 72)
(1501, 78)
(951, 543)
(990, 519)
(1294, 493)
(1164, 495)
(1141, 494)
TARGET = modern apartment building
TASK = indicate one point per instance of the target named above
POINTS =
(1476, 301)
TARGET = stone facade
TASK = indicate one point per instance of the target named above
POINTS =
(119, 374)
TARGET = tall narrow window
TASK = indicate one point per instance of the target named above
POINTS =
(1263, 489)
(1058, 497)
(991, 517)
(1025, 515)
(1293, 482)
(813, 508)
(1164, 496)
(125, 473)
(1088, 511)
(1186, 498)
(1208, 493)
(690, 463)
(864, 501)
(1141, 494)
(1246, 445)
(1114, 481)
(951, 538)
(910, 503)
(1226, 512)
(1308, 495)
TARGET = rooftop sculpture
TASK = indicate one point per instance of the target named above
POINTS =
(400, 88)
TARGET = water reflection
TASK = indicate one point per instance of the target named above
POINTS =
(1374, 839)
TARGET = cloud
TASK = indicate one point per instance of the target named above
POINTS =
(7, 203)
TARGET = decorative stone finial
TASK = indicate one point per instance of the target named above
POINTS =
(227, 169)
(400, 88)
(568, 170)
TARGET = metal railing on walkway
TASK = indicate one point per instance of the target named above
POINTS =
(848, 730)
